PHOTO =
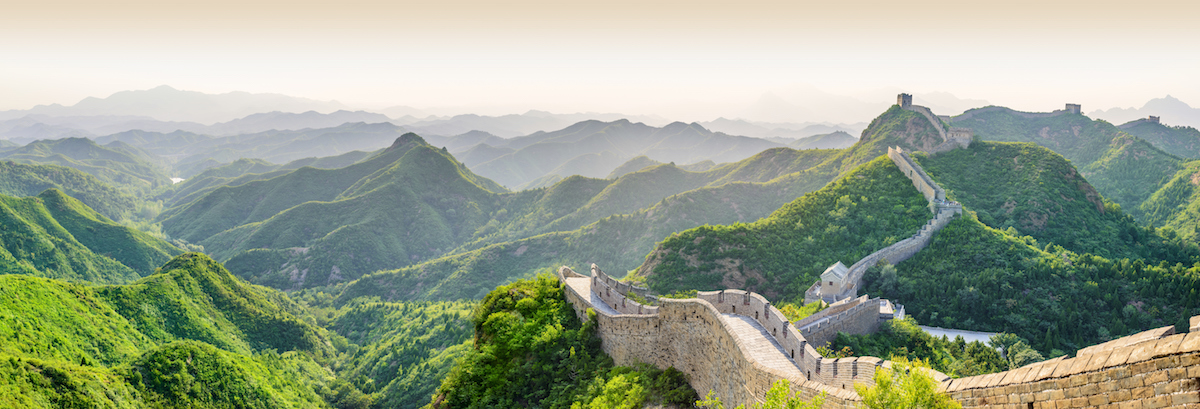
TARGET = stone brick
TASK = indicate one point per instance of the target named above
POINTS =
(1155, 377)
(1142, 392)
(1133, 404)
(1119, 356)
(1156, 402)
(1120, 395)
(1191, 342)
(1098, 360)
(1143, 351)
(1168, 345)
(1096, 400)
(1185, 398)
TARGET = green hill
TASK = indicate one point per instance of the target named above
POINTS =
(835, 140)
(420, 205)
(1038, 192)
(194, 297)
(977, 278)
(1176, 205)
(133, 248)
(20, 180)
(633, 165)
(53, 235)
(1182, 141)
(1123, 168)
(117, 167)
(231, 206)
(69, 345)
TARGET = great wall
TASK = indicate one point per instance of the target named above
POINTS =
(736, 344)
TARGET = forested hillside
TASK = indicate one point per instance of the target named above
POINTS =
(53, 235)
(120, 168)
(1123, 168)
(20, 180)
(1182, 141)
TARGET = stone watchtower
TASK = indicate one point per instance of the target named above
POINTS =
(904, 100)
(1153, 119)
(1074, 109)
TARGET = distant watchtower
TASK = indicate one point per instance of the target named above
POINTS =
(1152, 119)
(1074, 109)
(904, 100)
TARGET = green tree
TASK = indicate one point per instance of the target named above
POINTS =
(907, 385)
(780, 396)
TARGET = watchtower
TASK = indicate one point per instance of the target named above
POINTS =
(961, 136)
(904, 100)
(1074, 109)
(1152, 119)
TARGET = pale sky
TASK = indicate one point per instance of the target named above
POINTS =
(686, 59)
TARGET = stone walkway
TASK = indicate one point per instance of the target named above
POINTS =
(761, 346)
(583, 285)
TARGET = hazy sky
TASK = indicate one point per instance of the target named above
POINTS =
(687, 59)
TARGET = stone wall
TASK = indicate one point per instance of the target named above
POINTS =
(861, 318)
(690, 335)
(1153, 369)
(933, 119)
(971, 113)
(614, 292)
(913, 171)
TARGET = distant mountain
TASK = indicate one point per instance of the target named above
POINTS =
(508, 126)
(287, 146)
(1170, 109)
(243, 171)
(802, 102)
(633, 165)
(113, 164)
(169, 104)
(835, 140)
(769, 130)
(53, 235)
(544, 153)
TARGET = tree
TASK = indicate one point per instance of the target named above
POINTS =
(778, 397)
(907, 385)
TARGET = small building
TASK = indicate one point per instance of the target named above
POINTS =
(1152, 119)
(833, 280)
(1074, 109)
(904, 100)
